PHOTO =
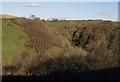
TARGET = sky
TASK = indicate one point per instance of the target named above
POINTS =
(61, 0)
(63, 10)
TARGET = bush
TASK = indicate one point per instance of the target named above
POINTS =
(44, 66)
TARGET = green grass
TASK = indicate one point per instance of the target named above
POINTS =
(13, 40)
(58, 24)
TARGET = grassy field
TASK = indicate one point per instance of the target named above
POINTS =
(58, 24)
(13, 38)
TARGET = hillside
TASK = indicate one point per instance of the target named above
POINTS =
(6, 16)
(13, 38)
(36, 47)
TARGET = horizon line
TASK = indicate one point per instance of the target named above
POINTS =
(50, 18)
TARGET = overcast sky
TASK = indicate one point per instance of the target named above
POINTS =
(63, 10)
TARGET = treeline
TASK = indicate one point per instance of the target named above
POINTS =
(34, 17)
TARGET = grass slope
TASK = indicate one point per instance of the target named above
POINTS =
(13, 38)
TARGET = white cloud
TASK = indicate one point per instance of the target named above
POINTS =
(103, 12)
(32, 4)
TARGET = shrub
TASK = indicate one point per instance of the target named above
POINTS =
(44, 66)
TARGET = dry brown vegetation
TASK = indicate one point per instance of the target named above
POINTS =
(41, 36)
(100, 40)
(93, 46)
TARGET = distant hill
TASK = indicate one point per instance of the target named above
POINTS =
(6, 16)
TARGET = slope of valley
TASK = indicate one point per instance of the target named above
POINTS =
(45, 47)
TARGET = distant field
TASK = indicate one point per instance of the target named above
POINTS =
(58, 24)
(6, 16)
